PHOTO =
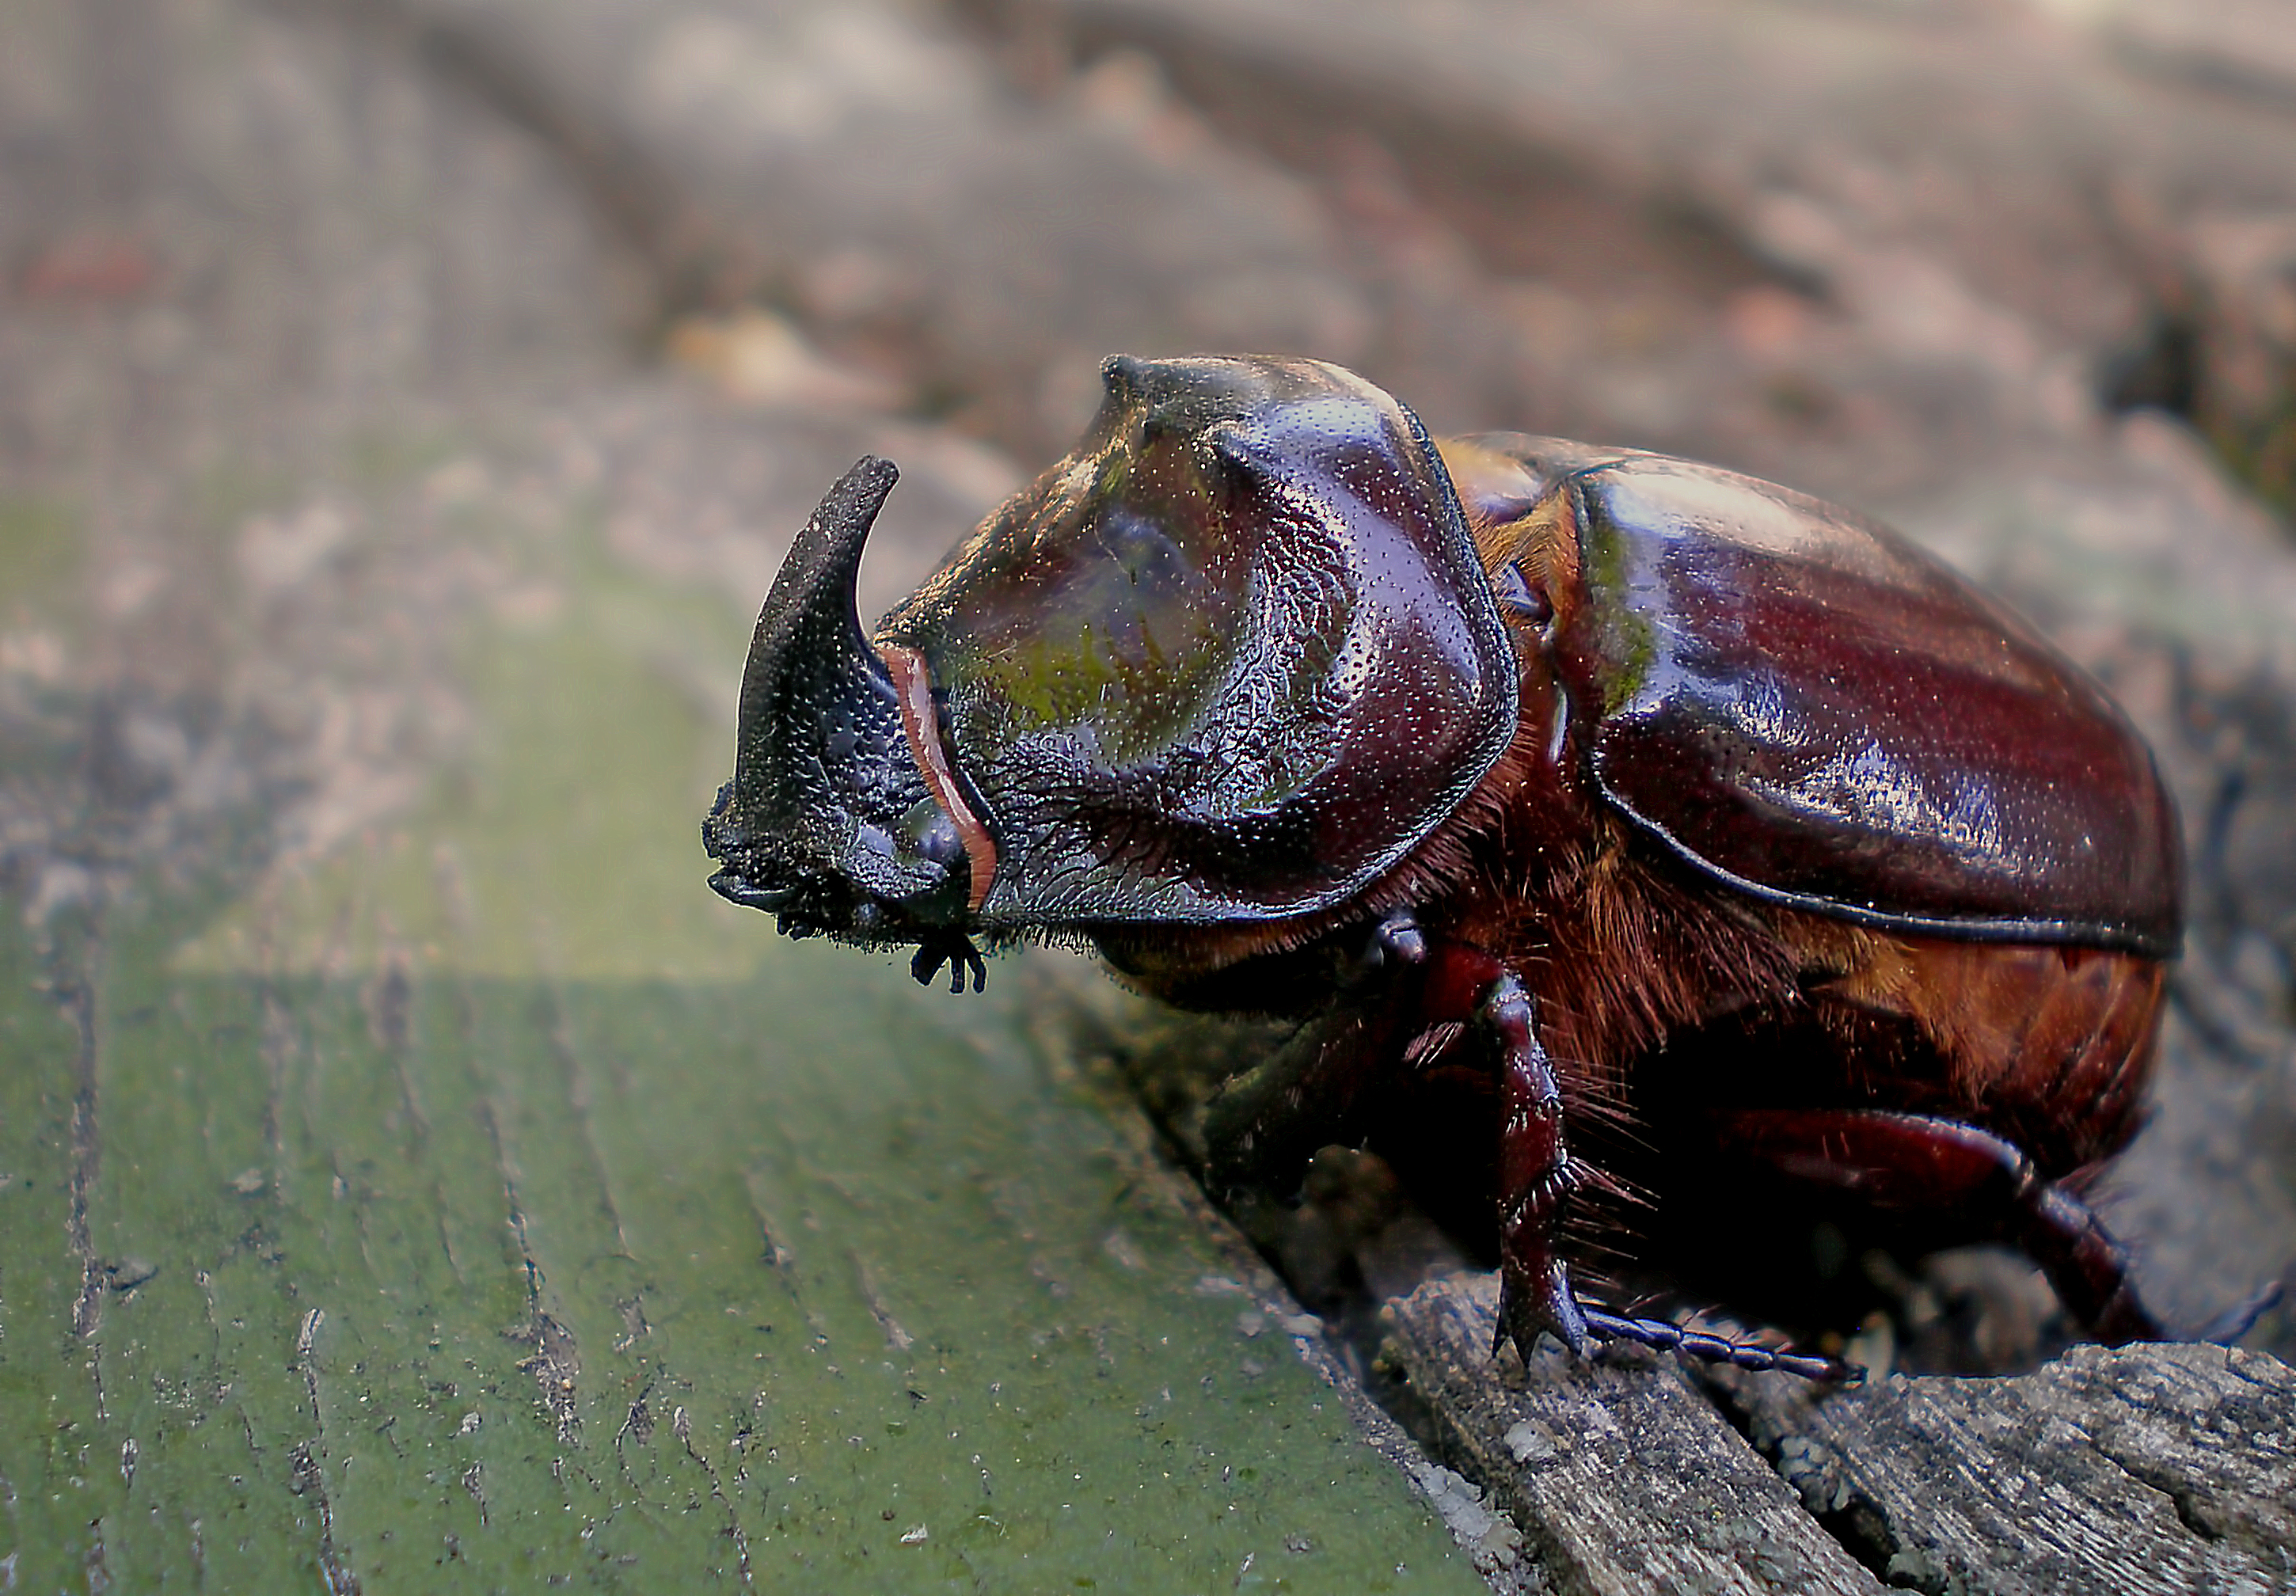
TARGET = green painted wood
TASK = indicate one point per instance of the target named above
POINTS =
(486, 1206)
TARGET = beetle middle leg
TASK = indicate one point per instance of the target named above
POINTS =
(1947, 1167)
(1263, 1127)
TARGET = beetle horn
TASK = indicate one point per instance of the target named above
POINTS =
(822, 774)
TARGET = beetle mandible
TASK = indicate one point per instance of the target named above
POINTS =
(1550, 756)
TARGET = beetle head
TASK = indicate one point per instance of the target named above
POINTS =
(828, 822)
(1228, 662)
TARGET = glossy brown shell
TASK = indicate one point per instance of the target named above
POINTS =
(1800, 703)
(1228, 662)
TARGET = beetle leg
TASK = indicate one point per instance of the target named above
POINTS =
(1535, 1179)
(1919, 1161)
(1536, 1174)
(1666, 1336)
(958, 954)
(2239, 1318)
(1263, 1127)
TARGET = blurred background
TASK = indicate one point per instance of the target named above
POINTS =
(403, 406)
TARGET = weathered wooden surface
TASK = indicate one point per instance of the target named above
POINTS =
(369, 617)
(2169, 1468)
(411, 1177)
(2148, 1469)
(1621, 1476)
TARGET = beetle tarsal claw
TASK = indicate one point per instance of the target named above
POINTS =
(959, 954)
(1529, 1303)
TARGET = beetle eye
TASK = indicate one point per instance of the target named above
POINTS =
(931, 834)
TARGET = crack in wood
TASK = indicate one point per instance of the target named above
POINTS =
(75, 995)
(638, 1426)
(2067, 1479)
(555, 1362)
(307, 1476)
(683, 1427)
(556, 1367)
(278, 1048)
(388, 1001)
(560, 1032)
(771, 1252)
(782, 1260)
(308, 1480)
(897, 1339)
(639, 1423)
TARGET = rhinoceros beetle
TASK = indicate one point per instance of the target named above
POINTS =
(1546, 757)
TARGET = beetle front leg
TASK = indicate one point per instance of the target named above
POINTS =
(1536, 1174)
(1537, 1177)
